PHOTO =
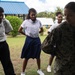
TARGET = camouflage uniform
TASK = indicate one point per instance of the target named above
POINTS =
(63, 40)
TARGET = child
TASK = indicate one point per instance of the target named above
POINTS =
(5, 27)
(32, 46)
(58, 21)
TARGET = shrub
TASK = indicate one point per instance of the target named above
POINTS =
(15, 22)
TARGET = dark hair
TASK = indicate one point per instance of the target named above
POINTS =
(30, 10)
(1, 9)
(71, 6)
(57, 13)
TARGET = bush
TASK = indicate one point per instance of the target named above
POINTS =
(15, 22)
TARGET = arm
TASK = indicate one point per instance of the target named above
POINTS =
(20, 30)
(7, 26)
(41, 30)
(49, 44)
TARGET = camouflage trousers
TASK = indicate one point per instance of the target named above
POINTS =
(64, 72)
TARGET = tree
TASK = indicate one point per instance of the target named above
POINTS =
(58, 9)
(50, 14)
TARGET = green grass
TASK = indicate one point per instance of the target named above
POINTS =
(15, 45)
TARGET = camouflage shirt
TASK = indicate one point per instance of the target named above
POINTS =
(64, 38)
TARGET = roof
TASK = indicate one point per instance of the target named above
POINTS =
(12, 7)
(46, 21)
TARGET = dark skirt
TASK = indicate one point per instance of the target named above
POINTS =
(31, 48)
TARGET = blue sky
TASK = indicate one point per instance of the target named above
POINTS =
(44, 5)
(42, 1)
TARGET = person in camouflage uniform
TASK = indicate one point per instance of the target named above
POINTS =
(62, 43)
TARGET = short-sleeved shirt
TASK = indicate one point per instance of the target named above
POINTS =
(53, 26)
(31, 28)
(5, 27)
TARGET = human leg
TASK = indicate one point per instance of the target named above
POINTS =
(38, 63)
(5, 59)
(50, 62)
(24, 66)
(39, 71)
(51, 59)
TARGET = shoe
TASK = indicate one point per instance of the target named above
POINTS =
(40, 72)
(49, 68)
(23, 73)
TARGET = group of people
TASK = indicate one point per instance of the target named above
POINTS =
(61, 45)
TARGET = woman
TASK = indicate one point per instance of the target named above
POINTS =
(59, 16)
(32, 46)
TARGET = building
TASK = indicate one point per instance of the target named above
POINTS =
(14, 8)
(46, 22)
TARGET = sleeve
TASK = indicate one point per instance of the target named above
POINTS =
(23, 24)
(40, 24)
(51, 28)
(49, 44)
(7, 26)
